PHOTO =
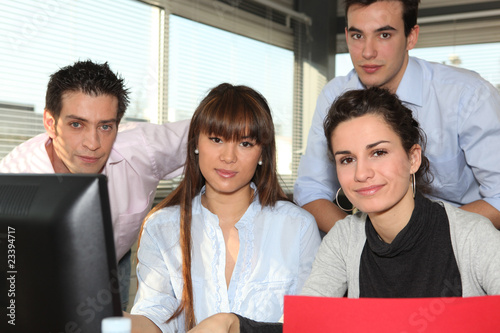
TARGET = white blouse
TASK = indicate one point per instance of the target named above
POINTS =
(277, 248)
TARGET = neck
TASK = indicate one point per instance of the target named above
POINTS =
(229, 208)
(389, 223)
(394, 85)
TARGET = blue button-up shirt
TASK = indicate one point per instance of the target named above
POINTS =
(460, 114)
(276, 251)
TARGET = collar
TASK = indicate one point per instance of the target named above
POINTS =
(114, 157)
(410, 89)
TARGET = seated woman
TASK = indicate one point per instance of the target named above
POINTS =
(400, 244)
(227, 239)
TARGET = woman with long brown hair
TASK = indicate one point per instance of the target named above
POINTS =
(227, 239)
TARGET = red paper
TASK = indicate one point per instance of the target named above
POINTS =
(402, 315)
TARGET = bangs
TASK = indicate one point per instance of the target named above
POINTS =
(234, 119)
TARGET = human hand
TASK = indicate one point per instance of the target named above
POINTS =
(218, 323)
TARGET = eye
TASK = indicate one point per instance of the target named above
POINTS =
(75, 125)
(385, 35)
(106, 127)
(247, 144)
(346, 160)
(356, 36)
(379, 152)
(215, 139)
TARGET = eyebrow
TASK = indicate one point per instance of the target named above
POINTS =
(369, 146)
(384, 28)
(105, 121)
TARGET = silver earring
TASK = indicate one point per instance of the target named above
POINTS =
(414, 184)
(338, 203)
(196, 151)
(260, 162)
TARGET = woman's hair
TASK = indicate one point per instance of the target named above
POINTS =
(380, 102)
(232, 113)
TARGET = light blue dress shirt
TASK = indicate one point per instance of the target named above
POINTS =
(277, 248)
(460, 114)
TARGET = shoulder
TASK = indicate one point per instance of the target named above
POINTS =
(350, 229)
(285, 215)
(29, 156)
(446, 74)
(167, 216)
(164, 225)
(467, 225)
(339, 84)
(288, 209)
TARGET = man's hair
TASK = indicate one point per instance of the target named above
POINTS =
(410, 11)
(89, 78)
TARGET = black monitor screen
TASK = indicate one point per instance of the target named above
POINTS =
(57, 259)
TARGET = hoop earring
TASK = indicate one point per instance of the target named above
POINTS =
(338, 203)
(414, 185)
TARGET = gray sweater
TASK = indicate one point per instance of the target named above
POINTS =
(475, 241)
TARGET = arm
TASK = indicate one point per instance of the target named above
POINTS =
(317, 181)
(325, 212)
(156, 300)
(480, 248)
(329, 274)
(309, 243)
(167, 146)
(141, 324)
(483, 208)
(479, 136)
(218, 323)
(232, 323)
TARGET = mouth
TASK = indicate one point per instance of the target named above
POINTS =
(370, 69)
(89, 159)
(225, 173)
(368, 191)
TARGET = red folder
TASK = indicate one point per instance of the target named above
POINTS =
(402, 315)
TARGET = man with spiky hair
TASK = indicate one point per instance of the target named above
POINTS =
(83, 108)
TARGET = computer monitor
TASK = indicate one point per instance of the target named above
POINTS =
(57, 253)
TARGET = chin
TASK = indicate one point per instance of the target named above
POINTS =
(371, 208)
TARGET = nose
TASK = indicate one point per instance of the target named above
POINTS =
(91, 139)
(369, 49)
(228, 152)
(363, 171)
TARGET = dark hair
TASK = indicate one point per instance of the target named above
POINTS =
(410, 11)
(231, 112)
(381, 102)
(87, 77)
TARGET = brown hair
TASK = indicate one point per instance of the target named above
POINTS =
(90, 78)
(378, 101)
(410, 11)
(230, 112)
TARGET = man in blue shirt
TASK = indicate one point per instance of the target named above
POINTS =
(459, 111)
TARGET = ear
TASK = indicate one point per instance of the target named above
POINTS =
(49, 122)
(412, 38)
(415, 158)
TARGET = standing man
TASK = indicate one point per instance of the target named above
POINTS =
(84, 105)
(459, 111)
